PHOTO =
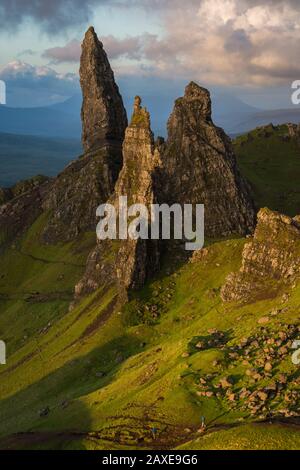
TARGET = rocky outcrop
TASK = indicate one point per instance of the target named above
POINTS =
(24, 186)
(103, 115)
(22, 207)
(293, 130)
(5, 195)
(270, 261)
(130, 262)
(89, 181)
(77, 192)
(138, 259)
(100, 270)
(200, 167)
(197, 166)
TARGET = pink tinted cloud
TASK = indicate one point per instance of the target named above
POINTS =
(231, 42)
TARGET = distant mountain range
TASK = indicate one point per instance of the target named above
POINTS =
(59, 120)
(261, 118)
(42, 140)
(23, 156)
(63, 119)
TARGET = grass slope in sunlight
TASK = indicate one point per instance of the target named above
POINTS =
(270, 161)
(100, 377)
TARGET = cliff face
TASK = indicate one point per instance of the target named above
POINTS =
(89, 181)
(103, 115)
(294, 130)
(195, 166)
(20, 206)
(138, 259)
(200, 167)
(133, 260)
(76, 193)
(270, 261)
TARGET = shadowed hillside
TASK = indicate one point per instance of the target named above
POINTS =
(269, 157)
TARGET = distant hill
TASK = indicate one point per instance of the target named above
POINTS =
(63, 119)
(72, 106)
(250, 121)
(42, 140)
(24, 156)
(269, 157)
(55, 120)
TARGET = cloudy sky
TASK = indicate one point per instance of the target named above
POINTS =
(249, 48)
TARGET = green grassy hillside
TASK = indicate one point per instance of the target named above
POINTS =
(270, 160)
(98, 376)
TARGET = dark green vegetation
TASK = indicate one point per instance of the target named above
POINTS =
(270, 159)
(95, 377)
(23, 156)
(99, 376)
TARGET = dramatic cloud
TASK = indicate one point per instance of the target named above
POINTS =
(36, 86)
(52, 15)
(237, 42)
(129, 47)
(231, 42)
(68, 53)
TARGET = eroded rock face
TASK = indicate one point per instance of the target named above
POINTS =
(294, 130)
(89, 181)
(270, 261)
(131, 261)
(5, 195)
(22, 207)
(77, 192)
(103, 115)
(138, 259)
(100, 270)
(200, 167)
(22, 187)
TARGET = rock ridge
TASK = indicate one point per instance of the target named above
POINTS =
(200, 167)
(270, 261)
(89, 181)
(103, 114)
(134, 261)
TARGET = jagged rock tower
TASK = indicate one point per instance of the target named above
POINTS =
(138, 259)
(134, 260)
(270, 260)
(200, 167)
(103, 115)
(197, 166)
(89, 181)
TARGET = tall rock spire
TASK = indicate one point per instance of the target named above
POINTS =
(89, 181)
(200, 167)
(103, 114)
(134, 261)
(138, 259)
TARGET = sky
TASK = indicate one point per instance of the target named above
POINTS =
(248, 48)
